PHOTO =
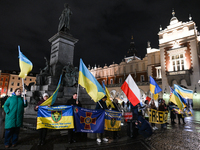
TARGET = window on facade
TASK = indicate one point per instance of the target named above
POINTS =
(142, 78)
(6, 79)
(111, 81)
(18, 84)
(4, 90)
(120, 80)
(0, 83)
(12, 83)
(1, 79)
(18, 78)
(158, 72)
(13, 77)
(11, 89)
(5, 84)
(178, 62)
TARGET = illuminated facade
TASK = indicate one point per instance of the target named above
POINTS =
(16, 81)
(177, 61)
(10, 80)
(179, 50)
(4, 80)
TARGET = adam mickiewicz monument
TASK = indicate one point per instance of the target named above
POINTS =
(61, 62)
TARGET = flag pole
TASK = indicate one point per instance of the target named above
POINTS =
(100, 104)
(23, 90)
(77, 92)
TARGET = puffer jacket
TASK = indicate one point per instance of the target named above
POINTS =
(14, 109)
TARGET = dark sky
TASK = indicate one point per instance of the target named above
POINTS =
(103, 27)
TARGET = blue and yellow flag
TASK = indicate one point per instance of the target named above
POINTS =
(108, 101)
(154, 88)
(89, 120)
(51, 100)
(25, 65)
(112, 120)
(88, 81)
(55, 117)
(185, 93)
(178, 100)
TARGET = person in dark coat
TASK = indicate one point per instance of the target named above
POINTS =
(172, 113)
(73, 102)
(144, 127)
(42, 131)
(101, 105)
(14, 109)
(115, 103)
(162, 107)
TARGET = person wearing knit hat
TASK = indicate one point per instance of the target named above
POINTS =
(42, 131)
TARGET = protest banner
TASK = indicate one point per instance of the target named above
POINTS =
(112, 120)
(55, 117)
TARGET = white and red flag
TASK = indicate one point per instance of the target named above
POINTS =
(131, 90)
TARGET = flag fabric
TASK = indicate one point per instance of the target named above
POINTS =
(155, 96)
(154, 88)
(108, 101)
(177, 100)
(131, 90)
(185, 93)
(171, 91)
(55, 117)
(88, 81)
(25, 65)
(51, 100)
(148, 98)
(89, 120)
(112, 120)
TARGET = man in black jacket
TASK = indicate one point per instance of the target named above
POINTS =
(101, 105)
(73, 102)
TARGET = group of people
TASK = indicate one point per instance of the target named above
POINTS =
(141, 115)
(14, 110)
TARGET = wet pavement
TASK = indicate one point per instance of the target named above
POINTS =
(174, 137)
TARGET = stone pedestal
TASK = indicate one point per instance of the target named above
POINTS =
(62, 51)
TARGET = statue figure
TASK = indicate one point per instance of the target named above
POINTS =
(46, 71)
(65, 19)
(28, 87)
(70, 77)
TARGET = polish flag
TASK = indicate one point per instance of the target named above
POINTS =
(131, 90)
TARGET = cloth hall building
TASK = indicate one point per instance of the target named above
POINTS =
(177, 61)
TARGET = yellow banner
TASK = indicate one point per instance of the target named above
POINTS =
(112, 120)
(158, 117)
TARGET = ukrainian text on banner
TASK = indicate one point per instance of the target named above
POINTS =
(159, 117)
(112, 120)
(55, 117)
(89, 120)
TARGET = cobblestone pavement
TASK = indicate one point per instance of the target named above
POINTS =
(174, 137)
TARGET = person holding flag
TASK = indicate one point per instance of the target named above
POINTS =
(42, 131)
(14, 109)
(101, 105)
(73, 101)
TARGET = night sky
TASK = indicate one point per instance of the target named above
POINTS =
(104, 28)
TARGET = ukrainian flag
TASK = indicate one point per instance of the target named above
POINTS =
(178, 100)
(55, 117)
(88, 81)
(185, 93)
(51, 100)
(25, 65)
(154, 88)
(108, 101)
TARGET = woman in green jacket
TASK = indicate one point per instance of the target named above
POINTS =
(14, 109)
